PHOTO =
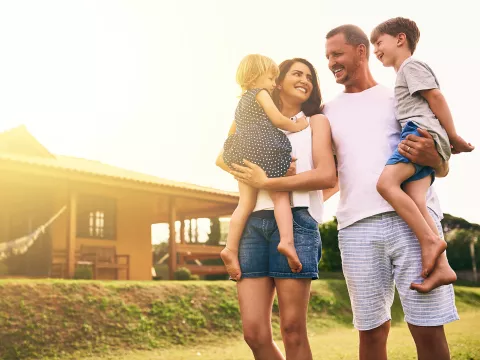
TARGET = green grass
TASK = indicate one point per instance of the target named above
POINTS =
(334, 343)
(73, 319)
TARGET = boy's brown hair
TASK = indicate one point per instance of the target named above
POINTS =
(396, 26)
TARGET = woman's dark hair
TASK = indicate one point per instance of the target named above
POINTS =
(314, 104)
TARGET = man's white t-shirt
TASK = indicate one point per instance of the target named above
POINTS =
(365, 133)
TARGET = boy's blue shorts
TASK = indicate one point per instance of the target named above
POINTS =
(420, 171)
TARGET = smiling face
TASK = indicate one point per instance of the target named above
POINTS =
(298, 82)
(343, 59)
(386, 49)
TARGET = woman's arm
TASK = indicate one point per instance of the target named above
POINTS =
(328, 193)
(219, 162)
(322, 176)
(280, 121)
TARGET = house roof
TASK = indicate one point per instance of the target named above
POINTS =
(39, 156)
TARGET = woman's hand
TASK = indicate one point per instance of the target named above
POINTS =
(292, 170)
(251, 174)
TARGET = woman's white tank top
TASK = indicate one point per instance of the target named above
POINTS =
(301, 149)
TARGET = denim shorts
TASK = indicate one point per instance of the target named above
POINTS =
(420, 171)
(258, 252)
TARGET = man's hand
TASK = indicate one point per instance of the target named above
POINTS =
(420, 150)
(292, 170)
(251, 174)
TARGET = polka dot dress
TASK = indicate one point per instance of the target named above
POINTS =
(257, 139)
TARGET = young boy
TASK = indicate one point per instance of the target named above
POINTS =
(418, 103)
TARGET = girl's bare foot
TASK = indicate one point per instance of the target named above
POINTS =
(459, 145)
(288, 249)
(442, 275)
(230, 259)
(430, 254)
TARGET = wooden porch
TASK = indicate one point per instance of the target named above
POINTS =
(116, 220)
(180, 253)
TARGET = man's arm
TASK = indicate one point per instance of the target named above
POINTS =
(422, 151)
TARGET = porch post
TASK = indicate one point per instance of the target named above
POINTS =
(182, 238)
(71, 233)
(196, 230)
(172, 251)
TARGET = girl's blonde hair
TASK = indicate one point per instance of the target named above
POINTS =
(252, 67)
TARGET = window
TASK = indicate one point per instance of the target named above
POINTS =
(96, 217)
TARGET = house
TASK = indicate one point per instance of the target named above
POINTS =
(84, 213)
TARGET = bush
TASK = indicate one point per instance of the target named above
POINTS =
(182, 274)
(83, 273)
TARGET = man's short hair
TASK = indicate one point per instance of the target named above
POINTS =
(353, 35)
(396, 26)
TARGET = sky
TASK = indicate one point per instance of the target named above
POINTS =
(150, 85)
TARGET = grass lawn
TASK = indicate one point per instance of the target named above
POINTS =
(336, 343)
(53, 319)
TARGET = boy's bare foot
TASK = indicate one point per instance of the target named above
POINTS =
(430, 254)
(230, 259)
(459, 145)
(442, 275)
(288, 249)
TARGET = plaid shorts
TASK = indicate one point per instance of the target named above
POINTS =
(381, 252)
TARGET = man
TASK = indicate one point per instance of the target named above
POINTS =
(378, 248)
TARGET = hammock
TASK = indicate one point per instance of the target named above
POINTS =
(21, 245)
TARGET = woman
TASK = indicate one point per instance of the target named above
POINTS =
(264, 269)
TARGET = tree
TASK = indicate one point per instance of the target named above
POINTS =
(462, 237)
(450, 222)
(331, 260)
(215, 232)
(214, 237)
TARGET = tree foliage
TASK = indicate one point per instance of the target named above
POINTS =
(331, 260)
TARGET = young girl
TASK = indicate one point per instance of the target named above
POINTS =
(256, 137)
(419, 104)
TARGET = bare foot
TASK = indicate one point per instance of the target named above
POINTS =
(430, 253)
(230, 259)
(459, 145)
(288, 249)
(442, 275)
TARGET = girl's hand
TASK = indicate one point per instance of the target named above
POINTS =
(251, 174)
(301, 123)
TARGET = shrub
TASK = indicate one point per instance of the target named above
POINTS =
(182, 274)
(83, 273)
